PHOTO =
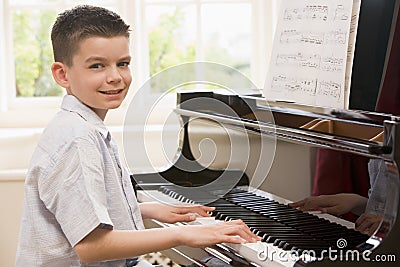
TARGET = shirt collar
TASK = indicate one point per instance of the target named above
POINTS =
(72, 104)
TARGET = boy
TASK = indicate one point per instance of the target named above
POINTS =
(79, 207)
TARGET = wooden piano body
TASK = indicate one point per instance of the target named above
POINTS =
(243, 133)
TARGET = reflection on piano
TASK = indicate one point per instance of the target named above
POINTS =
(286, 232)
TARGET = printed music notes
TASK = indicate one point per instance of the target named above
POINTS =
(308, 12)
(313, 52)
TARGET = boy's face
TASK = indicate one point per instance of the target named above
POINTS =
(100, 75)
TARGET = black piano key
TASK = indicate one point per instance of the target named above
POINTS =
(254, 201)
(290, 245)
(272, 212)
(301, 242)
(266, 224)
(292, 219)
(242, 214)
(221, 203)
(268, 238)
(262, 204)
(270, 208)
(268, 228)
(280, 232)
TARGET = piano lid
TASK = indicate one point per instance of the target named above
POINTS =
(359, 132)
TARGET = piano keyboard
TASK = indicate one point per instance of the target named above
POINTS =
(285, 231)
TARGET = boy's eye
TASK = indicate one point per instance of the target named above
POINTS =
(96, 66)
(124, 64)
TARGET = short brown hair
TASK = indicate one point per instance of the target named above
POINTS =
(79, 23)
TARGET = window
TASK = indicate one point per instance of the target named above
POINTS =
(32, 52)
(236, 33)
(30, 25)
(194, 30)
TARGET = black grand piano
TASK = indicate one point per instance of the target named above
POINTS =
(234, 195)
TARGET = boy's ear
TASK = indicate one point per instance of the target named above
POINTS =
(59, 71)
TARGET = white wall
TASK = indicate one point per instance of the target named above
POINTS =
(16, 150)
(11, 197)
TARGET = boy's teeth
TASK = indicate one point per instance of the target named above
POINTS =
(112, 92)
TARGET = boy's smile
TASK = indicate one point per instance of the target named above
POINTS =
(100, 75)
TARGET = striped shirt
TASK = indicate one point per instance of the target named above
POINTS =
(74, 184)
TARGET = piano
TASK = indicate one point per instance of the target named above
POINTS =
(249, 128)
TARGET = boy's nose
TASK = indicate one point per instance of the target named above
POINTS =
(113, 76)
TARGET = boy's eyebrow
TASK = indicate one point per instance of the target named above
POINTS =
(95, 58)
(100, 58)
(128, 57)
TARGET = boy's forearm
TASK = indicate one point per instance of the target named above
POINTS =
(102, 245)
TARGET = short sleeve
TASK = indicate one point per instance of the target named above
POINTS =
(74, 190)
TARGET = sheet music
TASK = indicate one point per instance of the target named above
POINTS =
(313, 52)
(350, 49)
